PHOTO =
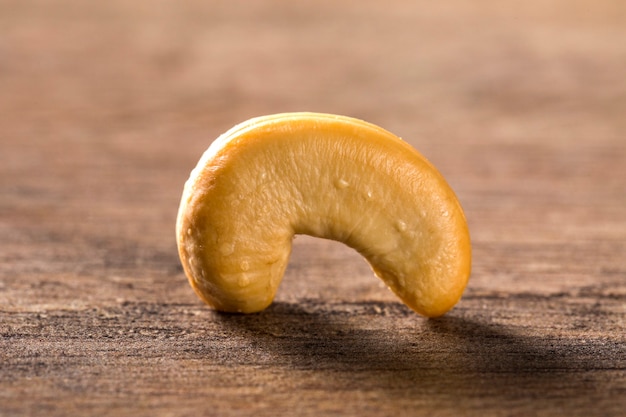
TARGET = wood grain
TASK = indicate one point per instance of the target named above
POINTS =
(106, 106)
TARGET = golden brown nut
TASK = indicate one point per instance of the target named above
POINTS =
(322, 175)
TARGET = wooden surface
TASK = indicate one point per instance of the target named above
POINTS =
(106, 106)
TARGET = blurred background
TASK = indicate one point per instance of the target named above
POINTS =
(106, 106)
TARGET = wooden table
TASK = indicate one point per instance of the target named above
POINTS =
(106, 106)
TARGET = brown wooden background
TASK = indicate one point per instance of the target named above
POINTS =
(106, 106)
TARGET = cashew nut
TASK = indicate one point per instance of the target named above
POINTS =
(327, 176)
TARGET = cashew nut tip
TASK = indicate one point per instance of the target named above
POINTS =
(328, 176)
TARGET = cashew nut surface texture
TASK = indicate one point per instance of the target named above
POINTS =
(328, 176)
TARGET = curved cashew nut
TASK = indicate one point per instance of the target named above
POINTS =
(327, 176)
